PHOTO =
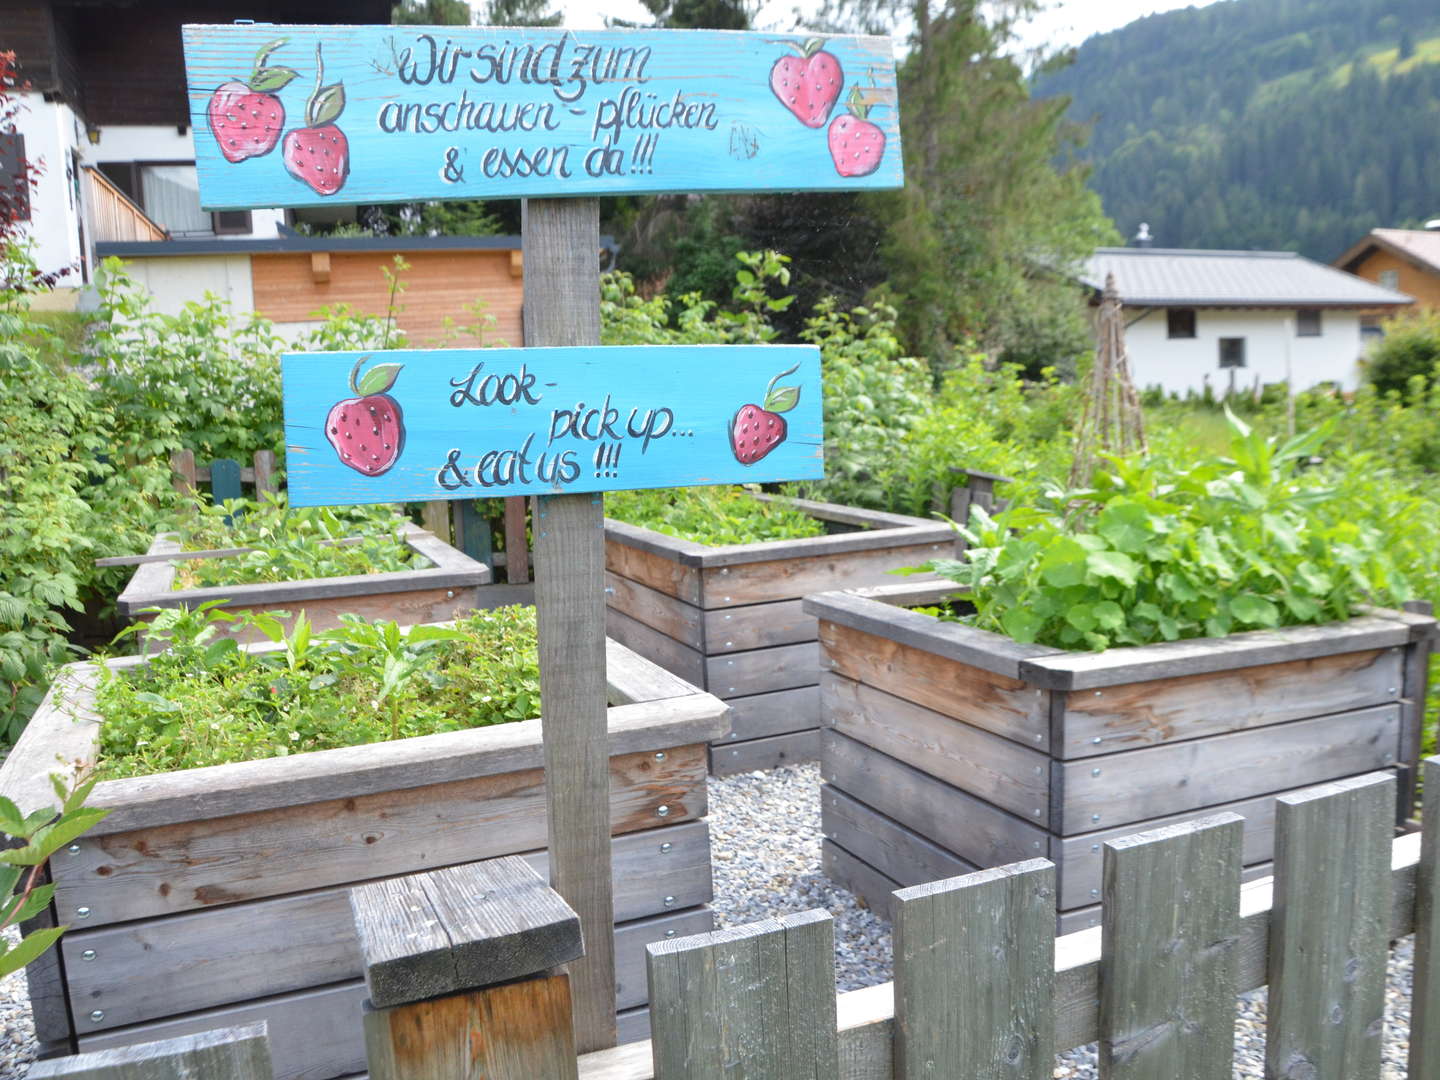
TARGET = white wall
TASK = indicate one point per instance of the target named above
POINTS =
(1181, 364)
(173, 280)
(51, 131)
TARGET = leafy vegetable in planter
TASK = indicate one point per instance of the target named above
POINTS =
(290, 545)
(206, 701)
(1159, 551)
(711, 515)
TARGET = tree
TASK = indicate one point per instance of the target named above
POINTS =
(431, 13)
(521, 13)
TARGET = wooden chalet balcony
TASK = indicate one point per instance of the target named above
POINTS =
(113, 216)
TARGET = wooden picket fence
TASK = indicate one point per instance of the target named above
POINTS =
(467, 961)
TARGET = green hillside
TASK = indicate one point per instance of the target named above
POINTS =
(1292, 124)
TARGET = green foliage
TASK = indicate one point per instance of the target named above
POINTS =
(31, 840)
(1252, 125)
(1162, 550)
(205, 701)
(627, 318)
(712, 515)
(290, 545)
(1409, 351)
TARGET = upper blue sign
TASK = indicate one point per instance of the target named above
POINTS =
(302, 115)
(411, 425)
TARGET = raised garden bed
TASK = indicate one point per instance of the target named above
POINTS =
(449, 586)
(729, 619)
(218, 896)
(948, 749)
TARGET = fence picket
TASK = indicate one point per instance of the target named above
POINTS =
(1171, 934)
(755, 1000)
(1330, 930)
(975, 976)
(1425, 1028)
(225, 480)
(237, 1053)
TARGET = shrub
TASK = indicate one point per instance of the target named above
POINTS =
(1409, 350)
(711, 515)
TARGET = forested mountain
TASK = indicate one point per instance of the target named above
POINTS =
(1287, 124)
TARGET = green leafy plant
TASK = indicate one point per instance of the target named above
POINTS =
(202, 700)
(712, 515)
(33, 838)
(1160, 550)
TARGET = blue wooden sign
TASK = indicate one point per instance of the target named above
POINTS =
(419, 424)
(305, 115)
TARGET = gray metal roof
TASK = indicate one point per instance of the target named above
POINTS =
(1173, 277)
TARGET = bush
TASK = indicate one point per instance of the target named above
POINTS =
(1410, 350)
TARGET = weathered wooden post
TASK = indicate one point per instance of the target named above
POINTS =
(461, 965)
(557, 117)
(239, 1053)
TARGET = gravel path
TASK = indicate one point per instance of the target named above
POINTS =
(766, 834)
(765, 828)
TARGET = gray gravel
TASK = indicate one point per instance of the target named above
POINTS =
(765, 828)
(17, 1031)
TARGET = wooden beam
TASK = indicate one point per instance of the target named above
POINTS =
(239, 1053)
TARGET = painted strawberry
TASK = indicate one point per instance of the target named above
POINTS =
(756, 429)
(368, 430)
(319, 153)
(856, 145)
(247, 118)
(809, 84)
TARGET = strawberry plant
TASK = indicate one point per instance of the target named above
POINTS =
(1161, 550)
(711, 515)
(205, 701)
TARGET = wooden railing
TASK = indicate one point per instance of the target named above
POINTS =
(113, 217)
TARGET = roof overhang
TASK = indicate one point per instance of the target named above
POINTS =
(1372, 243)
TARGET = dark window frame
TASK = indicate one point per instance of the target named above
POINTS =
(1232, 345)
(15, 175)
(1176, 319)
(126, 176)
(1303, 326)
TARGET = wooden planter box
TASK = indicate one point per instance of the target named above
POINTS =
(218, 896)
(728, 619)
(948, 749)
(448, 588)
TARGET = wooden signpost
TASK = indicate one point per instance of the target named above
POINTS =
(309, 115)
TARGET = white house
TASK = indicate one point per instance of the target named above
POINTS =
(1235, 318)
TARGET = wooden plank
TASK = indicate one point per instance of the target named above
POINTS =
(862, 517)
(221, 791)
(225, 481)
(264, 474)
(408, 607)
(1079, 858)
(726, 759)
(632, 679)
(460, 928)
(973, 829)
(661, 612)
(782, 667)
(1000, 771)
(226, 860)
(182, 464)
(1424, 1057)
(1415, 692)
(517, 548)
(1198, 656)
(789, 576)
(681, 660)
(1141, 714)
(632, 939)
(764, 557)
(874, 612)
(1184, 776)
(755, 1000)
(633, 1026)
(949, 1023)
(871, 888)
(779, 712)
(866, 1017)
(902, 856)
(143, 970)
(664, 574)
(562, 307)
(1172, 916)
(758, 626)
(435, 516)
(516, 1031)
(45, 982)
(65, 728)
(238, 1053)
(994, 702)
(1330, 931)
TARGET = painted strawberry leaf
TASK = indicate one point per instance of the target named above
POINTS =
(270, 79)
(782, 399)
(327, 104)
(263, 53)
(814, 45)
(378, 379)
(855, 102)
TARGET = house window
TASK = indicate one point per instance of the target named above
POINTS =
(169, 193)
(230, 222)
(1390, 279)
(1307, 323)
(14, 180)
(1180, 322)
(1232, 352)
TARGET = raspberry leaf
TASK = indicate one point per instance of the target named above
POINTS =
(270, 79)
(378, 379)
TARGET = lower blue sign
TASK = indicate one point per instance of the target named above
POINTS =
(419, 424)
